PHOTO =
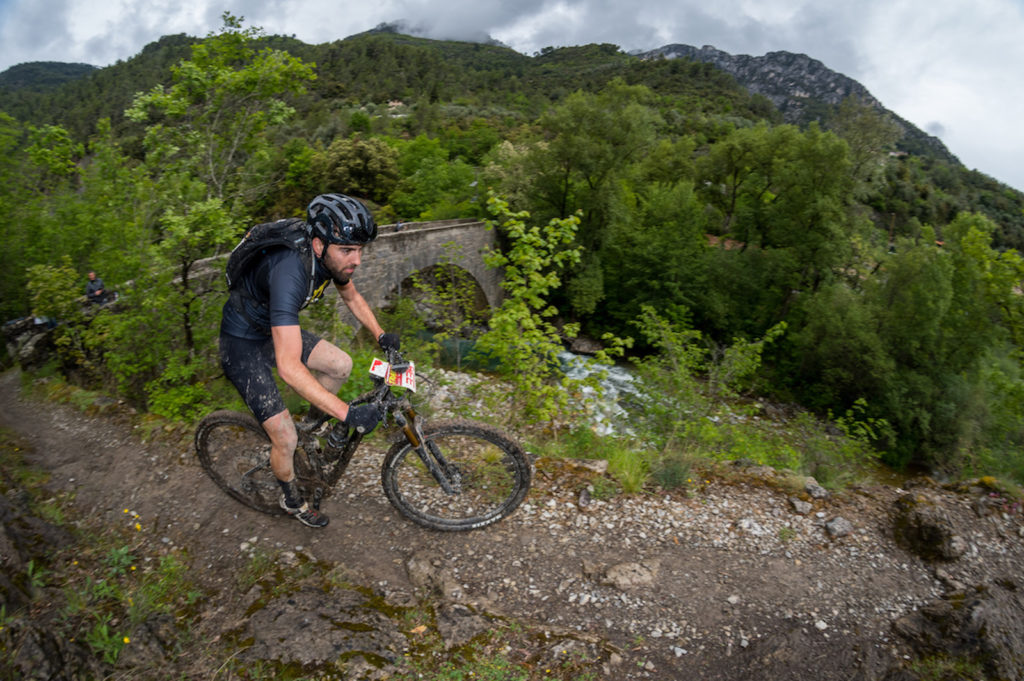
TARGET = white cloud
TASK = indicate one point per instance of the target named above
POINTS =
(955, 71)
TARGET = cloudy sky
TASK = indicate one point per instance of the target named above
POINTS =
(951, 67)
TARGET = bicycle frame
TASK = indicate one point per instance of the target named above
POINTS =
(400, 410)
(477, 475)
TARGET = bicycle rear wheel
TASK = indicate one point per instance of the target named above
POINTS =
(234, 450)
(489, 473)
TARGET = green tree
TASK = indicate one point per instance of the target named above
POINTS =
(113, 215)
(928, 342)
(782, 195)
(522, 336)
(54, 154)
(472, 141)
(15, 229)
(202, 133)
(432, 186)
(53, 292)
(869, 133)
(357, 166)
(588, 140)
(175, 306)
(213, 120)
(656, 256)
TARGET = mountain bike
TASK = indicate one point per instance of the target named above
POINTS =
(447, 475)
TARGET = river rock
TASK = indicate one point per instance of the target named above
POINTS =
(626, 576)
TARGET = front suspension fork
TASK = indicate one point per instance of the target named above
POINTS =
(429, 454)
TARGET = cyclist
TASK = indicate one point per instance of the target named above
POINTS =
(260, 330)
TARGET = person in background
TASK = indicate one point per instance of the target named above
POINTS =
(95, 291)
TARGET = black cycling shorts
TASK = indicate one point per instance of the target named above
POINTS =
(248, 363)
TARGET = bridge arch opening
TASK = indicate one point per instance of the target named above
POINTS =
(448, 298)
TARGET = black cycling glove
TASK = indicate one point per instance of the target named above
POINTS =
(363, 417)
(389, 341)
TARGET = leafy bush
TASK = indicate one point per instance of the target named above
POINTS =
(522, 336)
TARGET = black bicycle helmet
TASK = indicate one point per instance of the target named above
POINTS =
(340, 219)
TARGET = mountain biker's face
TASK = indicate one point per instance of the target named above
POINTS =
(342, 261)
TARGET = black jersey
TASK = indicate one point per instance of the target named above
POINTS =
(275, 291)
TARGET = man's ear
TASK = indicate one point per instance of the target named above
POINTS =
(318, 246)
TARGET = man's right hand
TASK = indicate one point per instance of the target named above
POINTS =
(389, 342)
(363, 417)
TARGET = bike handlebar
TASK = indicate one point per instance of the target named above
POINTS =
(397, 362)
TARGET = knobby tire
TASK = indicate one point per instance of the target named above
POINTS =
(495, 477)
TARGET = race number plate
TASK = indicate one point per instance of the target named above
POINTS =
(406, 379)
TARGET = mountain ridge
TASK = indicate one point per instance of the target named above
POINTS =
(797, 84)
(802, 88)
(43, 76)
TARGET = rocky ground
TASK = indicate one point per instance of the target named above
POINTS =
(743, 575)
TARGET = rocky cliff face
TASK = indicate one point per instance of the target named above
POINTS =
(800, 87)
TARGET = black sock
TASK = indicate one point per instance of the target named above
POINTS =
(292, 496)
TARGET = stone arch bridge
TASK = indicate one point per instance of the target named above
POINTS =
(404, 249)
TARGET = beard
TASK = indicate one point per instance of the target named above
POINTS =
(339, 278)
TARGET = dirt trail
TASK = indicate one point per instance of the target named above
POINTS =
(730, 582)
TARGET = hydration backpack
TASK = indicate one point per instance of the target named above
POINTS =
(292, 233)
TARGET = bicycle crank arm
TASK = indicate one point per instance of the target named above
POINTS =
(247, 483)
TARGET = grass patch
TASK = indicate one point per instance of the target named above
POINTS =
(630, 470)
(943, 667)
(105, 581)
(673, 470)
(801, 447)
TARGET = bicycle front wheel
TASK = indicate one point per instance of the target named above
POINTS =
(487, 472)
(234, 450)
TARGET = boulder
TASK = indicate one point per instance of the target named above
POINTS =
(310, 627)
(983, 624)
(924, 528)
(29, 340)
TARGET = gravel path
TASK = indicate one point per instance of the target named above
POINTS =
(738, 577)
